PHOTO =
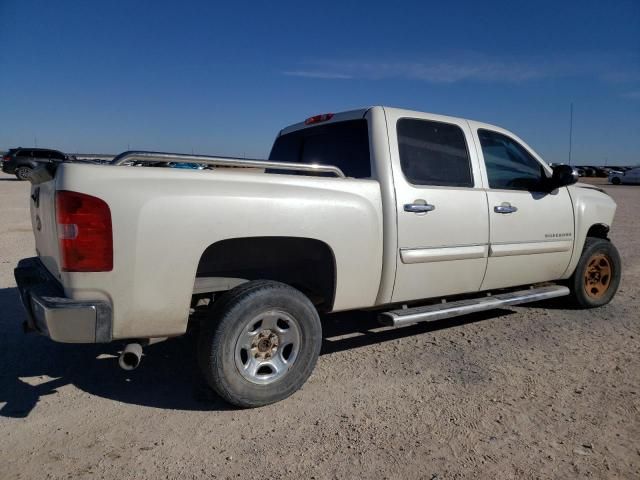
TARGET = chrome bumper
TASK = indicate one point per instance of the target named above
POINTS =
(52, 314)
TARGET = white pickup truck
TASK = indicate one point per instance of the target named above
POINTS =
(417, 215)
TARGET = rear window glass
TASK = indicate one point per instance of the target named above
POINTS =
(342, 144)
(433, 153)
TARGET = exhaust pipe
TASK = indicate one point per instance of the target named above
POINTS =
(130, 356)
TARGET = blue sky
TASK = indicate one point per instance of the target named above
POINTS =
(223, 78)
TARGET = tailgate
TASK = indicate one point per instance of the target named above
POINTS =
(43, 222)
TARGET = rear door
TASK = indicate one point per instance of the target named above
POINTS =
(442, 217)
(42, 156)
(531, 237)
(25, 157)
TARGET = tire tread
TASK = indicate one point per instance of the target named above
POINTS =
(213, 335)
(578, 296)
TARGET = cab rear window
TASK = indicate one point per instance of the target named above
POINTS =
(342, 144)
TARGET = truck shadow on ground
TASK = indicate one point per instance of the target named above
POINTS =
(32, 366)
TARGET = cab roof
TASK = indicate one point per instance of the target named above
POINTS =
(361, 112)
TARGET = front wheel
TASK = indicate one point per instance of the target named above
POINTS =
(597, 276)
(260, 343)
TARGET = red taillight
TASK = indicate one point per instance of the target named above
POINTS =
(6, 158)
(84, 233)
(318, 118)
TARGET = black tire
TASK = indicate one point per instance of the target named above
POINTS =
(229, 319)
(597, 276)
(615, 181)
(23, 173)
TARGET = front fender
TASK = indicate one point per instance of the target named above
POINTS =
(591, 206)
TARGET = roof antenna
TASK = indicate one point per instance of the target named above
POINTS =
(570, 130)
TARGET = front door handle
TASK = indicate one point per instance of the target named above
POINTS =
(505, 208)
(418, 207)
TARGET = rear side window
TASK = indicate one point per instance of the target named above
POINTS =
(342, 144)
(24, 153)
(433, 153)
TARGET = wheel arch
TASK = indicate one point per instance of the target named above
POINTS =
(598, 230)
(595, 230)
(306, 264)
(28, 164)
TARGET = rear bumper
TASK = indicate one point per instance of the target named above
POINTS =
(52, 314)
(8, 168)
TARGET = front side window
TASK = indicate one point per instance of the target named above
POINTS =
(509, 165)
(433, 153)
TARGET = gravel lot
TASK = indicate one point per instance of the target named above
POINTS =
(528, 392)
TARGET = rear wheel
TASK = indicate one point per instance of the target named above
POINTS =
(23, 173)
(615, 181)
(597, 276)
(260, 343)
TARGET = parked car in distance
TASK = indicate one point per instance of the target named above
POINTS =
(598, 171)
(188, 166)
(22, 161)
(620, 168)
(630, 176)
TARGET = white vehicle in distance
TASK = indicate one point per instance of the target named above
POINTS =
(630, 176)
(379, 208)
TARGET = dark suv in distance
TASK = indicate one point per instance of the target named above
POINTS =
(22, 161)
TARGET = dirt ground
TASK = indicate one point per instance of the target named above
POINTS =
(529, 392)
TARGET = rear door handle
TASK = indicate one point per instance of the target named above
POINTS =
(418, 207)
(505, 208)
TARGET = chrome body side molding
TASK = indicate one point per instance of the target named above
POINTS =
(529, 248)
(463, 252)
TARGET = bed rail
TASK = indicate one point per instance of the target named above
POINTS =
(162, 157)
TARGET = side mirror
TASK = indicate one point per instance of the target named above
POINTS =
(563, 175)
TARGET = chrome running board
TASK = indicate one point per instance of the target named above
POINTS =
(397, 318)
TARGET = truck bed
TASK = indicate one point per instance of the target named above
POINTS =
(164, 219)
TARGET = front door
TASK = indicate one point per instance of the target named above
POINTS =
(441, 208)
(531, 229)
(632, 176)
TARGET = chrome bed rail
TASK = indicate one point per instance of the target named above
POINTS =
(161, 157)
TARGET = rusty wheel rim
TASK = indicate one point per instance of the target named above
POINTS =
(268, 346)
(597, 276)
